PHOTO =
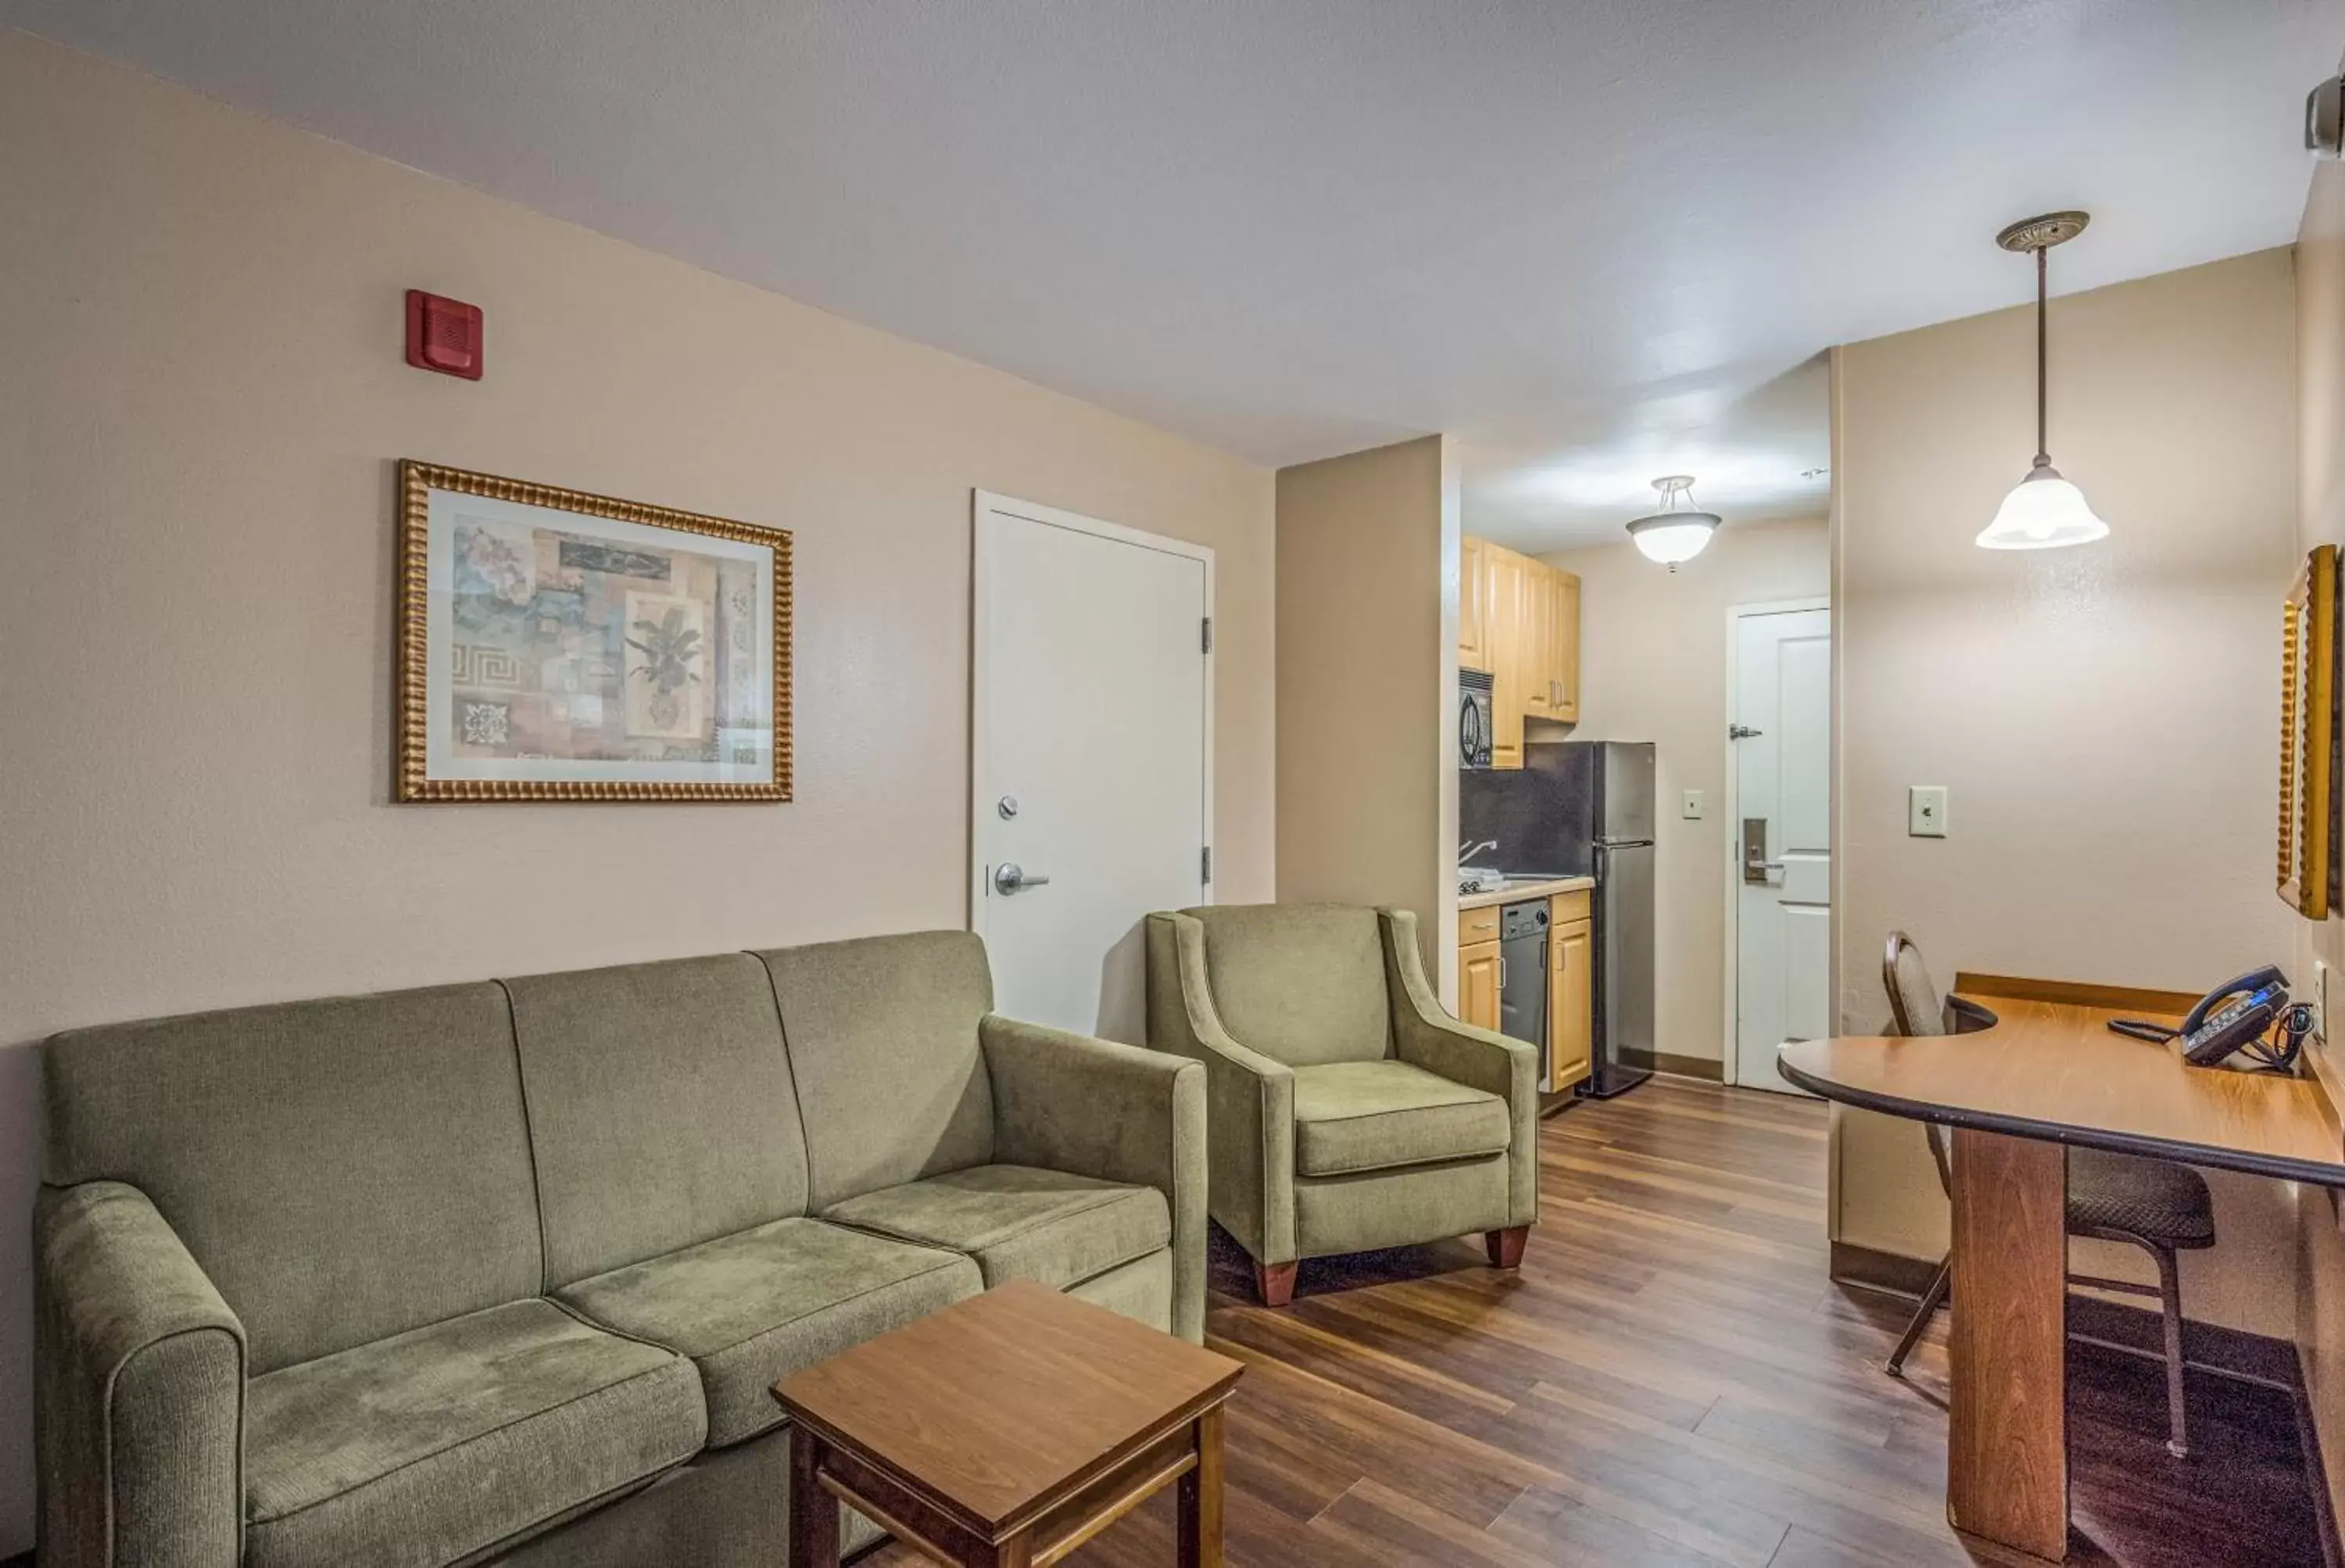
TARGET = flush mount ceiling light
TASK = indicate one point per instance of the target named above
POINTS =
(1676, 532)
(2044, 510)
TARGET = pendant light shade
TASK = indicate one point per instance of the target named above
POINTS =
(2044, 510)
(1676, 532)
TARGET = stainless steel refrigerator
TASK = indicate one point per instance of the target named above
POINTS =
(1584, 808)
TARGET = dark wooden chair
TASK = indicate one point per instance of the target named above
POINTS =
(2161, 1207)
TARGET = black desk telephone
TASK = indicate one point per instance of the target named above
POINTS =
(2236, 1016)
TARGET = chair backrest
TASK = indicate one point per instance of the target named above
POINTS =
(1916, 1008)
(1914, 1000)
(1302, 984)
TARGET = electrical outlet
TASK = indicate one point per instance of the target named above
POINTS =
(1925, 811)
(1693, 809)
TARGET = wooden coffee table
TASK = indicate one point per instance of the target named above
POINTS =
(1006, 1430)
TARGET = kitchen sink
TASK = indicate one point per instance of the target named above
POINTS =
(1473, 879)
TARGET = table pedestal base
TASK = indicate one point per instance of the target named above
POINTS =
(2007, 1444)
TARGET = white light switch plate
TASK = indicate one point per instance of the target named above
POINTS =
(1925, 811)
(1692, 806)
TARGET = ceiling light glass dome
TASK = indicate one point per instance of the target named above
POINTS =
(1676, 532)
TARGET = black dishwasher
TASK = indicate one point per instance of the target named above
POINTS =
(1522, 975)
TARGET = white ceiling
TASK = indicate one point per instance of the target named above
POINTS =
(1598, 241)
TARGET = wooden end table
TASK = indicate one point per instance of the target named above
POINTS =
(1006, 1430)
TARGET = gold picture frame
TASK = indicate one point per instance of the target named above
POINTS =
(553, 645)
(2309, 736)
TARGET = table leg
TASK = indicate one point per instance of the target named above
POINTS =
(814, 1512)
(1198, 1513)
(2007, 1441)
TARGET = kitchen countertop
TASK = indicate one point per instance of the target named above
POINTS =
(1523, 892)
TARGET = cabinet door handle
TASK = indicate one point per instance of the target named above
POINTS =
(1502, 971)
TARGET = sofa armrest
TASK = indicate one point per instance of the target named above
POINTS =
(1249, 1097)
(140, 1370)
(1425, 1035)
(1068, 1102)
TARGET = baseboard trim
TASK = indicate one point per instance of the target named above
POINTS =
(1708, 1068)
(1890, 1273)
(2114, 1326)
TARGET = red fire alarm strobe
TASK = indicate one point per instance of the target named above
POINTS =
(443, 335)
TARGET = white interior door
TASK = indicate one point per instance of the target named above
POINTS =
(1091, 758)
(1781, 836)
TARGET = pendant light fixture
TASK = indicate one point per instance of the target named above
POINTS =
(2044, 510)
(1676, 532)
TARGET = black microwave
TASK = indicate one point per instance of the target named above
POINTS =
(1474, 719)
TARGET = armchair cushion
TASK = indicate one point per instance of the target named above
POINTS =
(1373, 1115)
(1018, 1222)
(446, 1440)
(751, 1308)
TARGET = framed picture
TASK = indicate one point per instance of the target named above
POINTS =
(556, 646)
(2311, 736)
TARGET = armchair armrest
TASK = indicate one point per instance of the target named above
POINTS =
(1069, 1103)
(1250, 1097)
(138, 1388)
(1426, 1037)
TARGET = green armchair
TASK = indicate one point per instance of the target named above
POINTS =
(1345, 1109)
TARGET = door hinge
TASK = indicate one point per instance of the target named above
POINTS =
(1205, 864)
(1742, 732)
(1209, 634)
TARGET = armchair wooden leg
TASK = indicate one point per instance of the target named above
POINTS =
(1276, 1282)
(1506, 1246)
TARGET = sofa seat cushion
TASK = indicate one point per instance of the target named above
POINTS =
(446, 1440)
(1373, 1115)
(1019, 1222)
(751, 1308)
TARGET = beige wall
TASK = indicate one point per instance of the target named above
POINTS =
(2103, 717)
(1652, 666)
(1368, 664)
(2320, 520)
(203, 398)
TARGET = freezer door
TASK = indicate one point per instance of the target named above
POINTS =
(1624, 933)
(1629, 773)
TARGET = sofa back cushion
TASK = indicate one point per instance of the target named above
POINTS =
(343, 1170)
(660, 1109)
(1302, 984)
(882, 1035)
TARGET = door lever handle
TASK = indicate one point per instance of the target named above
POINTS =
(1009, 878)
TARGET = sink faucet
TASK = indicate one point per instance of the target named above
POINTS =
(1467, 851)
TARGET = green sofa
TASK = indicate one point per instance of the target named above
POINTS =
(1346, 1110)
(505, 1271)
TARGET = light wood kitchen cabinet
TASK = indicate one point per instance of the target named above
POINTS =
(1473, 596)
(1477, 984)
(1563, 646)
(1571, 1003)
(1505, 582)
(1519, 620)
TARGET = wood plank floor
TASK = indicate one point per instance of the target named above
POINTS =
(1669, 1383)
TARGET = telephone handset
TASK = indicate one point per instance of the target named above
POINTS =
(2238, 1013)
